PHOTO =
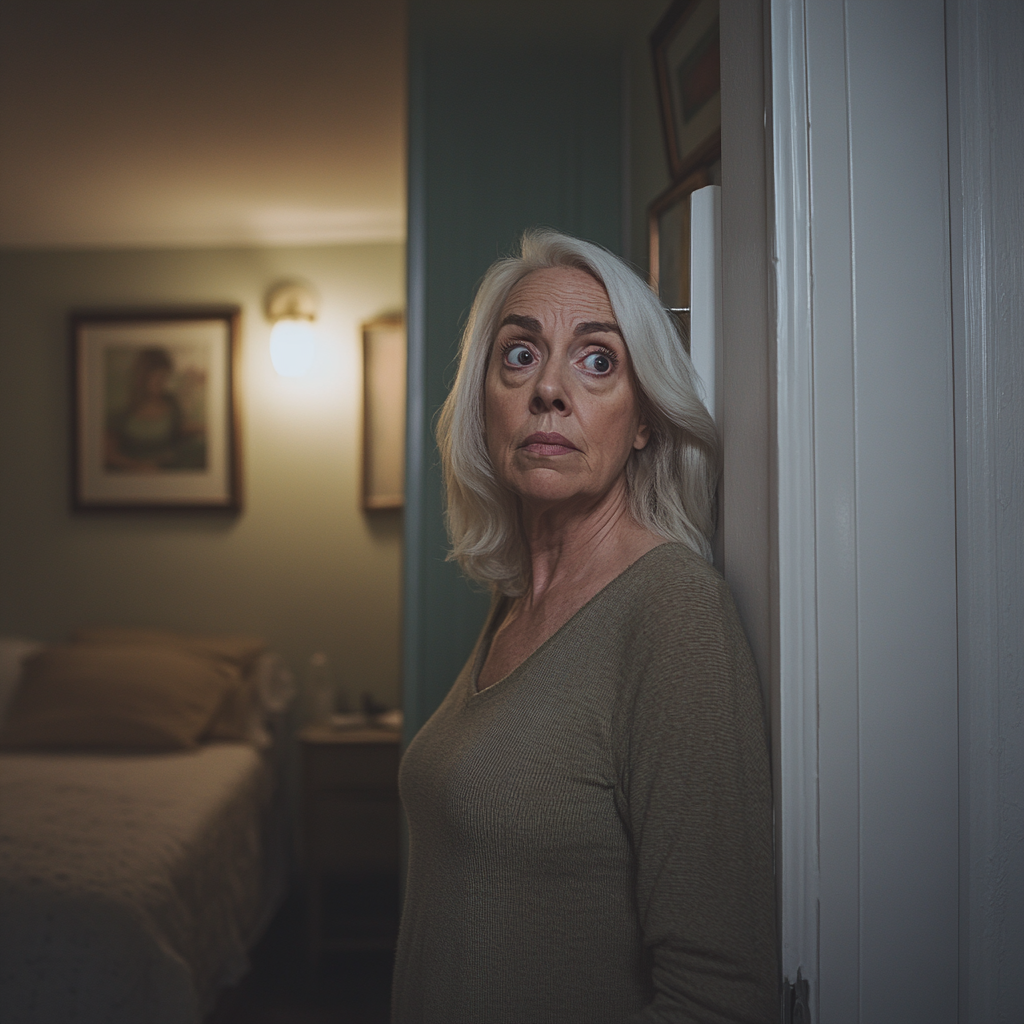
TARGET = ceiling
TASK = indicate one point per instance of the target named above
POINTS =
(201, 122)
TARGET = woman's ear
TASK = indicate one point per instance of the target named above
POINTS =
(643, 435)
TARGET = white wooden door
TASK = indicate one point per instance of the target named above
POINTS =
(868, 836)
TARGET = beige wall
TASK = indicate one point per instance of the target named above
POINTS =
(302, 565)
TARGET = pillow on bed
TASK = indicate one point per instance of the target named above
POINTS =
(239, 715)
(266, 691)
(238, 650)
(274, 681)
(138, 698)
(13, 652)
(242, 710)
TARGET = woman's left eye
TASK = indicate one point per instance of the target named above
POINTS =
(598, 362)
(518, 355)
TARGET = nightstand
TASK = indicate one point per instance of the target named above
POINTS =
(350, 817)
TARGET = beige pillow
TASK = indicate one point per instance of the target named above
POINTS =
(138, 698)
(238, 717)
(266, 689)
(238, 649)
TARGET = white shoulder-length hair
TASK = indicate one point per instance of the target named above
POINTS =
(671, 482)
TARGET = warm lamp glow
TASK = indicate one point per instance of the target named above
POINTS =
(291, 307)
(292, 347)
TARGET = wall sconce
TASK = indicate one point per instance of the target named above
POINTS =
(292, 308)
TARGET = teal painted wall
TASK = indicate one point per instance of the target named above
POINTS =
(645, 156)
(515, 120)
(302, 565)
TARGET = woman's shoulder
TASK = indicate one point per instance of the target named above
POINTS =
(675, 556)
(671, 575)
(683, 644)
(672, 598)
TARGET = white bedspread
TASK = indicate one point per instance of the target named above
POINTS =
(130, 885)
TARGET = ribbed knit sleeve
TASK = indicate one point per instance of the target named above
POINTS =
(695, 793)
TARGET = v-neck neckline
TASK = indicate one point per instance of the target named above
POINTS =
(493, 625)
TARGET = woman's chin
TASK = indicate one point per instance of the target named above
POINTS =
(546, 487)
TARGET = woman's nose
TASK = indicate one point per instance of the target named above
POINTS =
(549, 391)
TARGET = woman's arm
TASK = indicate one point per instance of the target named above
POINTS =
(696, 798)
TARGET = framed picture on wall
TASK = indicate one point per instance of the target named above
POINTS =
(384, 413)
(668, 219)
(685, 49)
(155, 412)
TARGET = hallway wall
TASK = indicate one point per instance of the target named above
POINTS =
(514, 122)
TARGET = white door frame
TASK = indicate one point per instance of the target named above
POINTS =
(797, 756)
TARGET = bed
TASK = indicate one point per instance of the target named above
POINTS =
(133, 882)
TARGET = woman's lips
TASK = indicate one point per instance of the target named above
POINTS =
(548, 444)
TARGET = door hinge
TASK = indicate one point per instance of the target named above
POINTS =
(796, 1000)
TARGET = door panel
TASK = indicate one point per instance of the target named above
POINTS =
(864, 365)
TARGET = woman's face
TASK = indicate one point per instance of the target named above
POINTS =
(560, 406)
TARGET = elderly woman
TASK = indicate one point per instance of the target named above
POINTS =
(589, 809)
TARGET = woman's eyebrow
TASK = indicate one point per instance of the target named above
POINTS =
(528, 323)
(597, 327)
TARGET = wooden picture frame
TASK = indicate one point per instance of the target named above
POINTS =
(155, 410)
(384, 384)
(668, 223)
(685, 51)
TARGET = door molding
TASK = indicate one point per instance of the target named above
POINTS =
(790, 290)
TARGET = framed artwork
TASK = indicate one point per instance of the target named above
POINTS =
(685, 49)
(384, 413)
(668, 219)
(155, 414)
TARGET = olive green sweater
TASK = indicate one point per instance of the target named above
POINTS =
(591, 837)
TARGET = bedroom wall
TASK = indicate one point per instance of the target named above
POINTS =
(302, 564)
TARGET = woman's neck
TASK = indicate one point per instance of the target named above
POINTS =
(574, 554)
(572, 543)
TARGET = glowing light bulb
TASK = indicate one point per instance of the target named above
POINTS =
(292, 347)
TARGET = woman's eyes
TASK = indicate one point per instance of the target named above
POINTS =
(598, 362)
(518, 355)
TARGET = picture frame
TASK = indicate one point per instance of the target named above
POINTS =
(384, 388)
(155, 410)
(668, 220)
(685, 52)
